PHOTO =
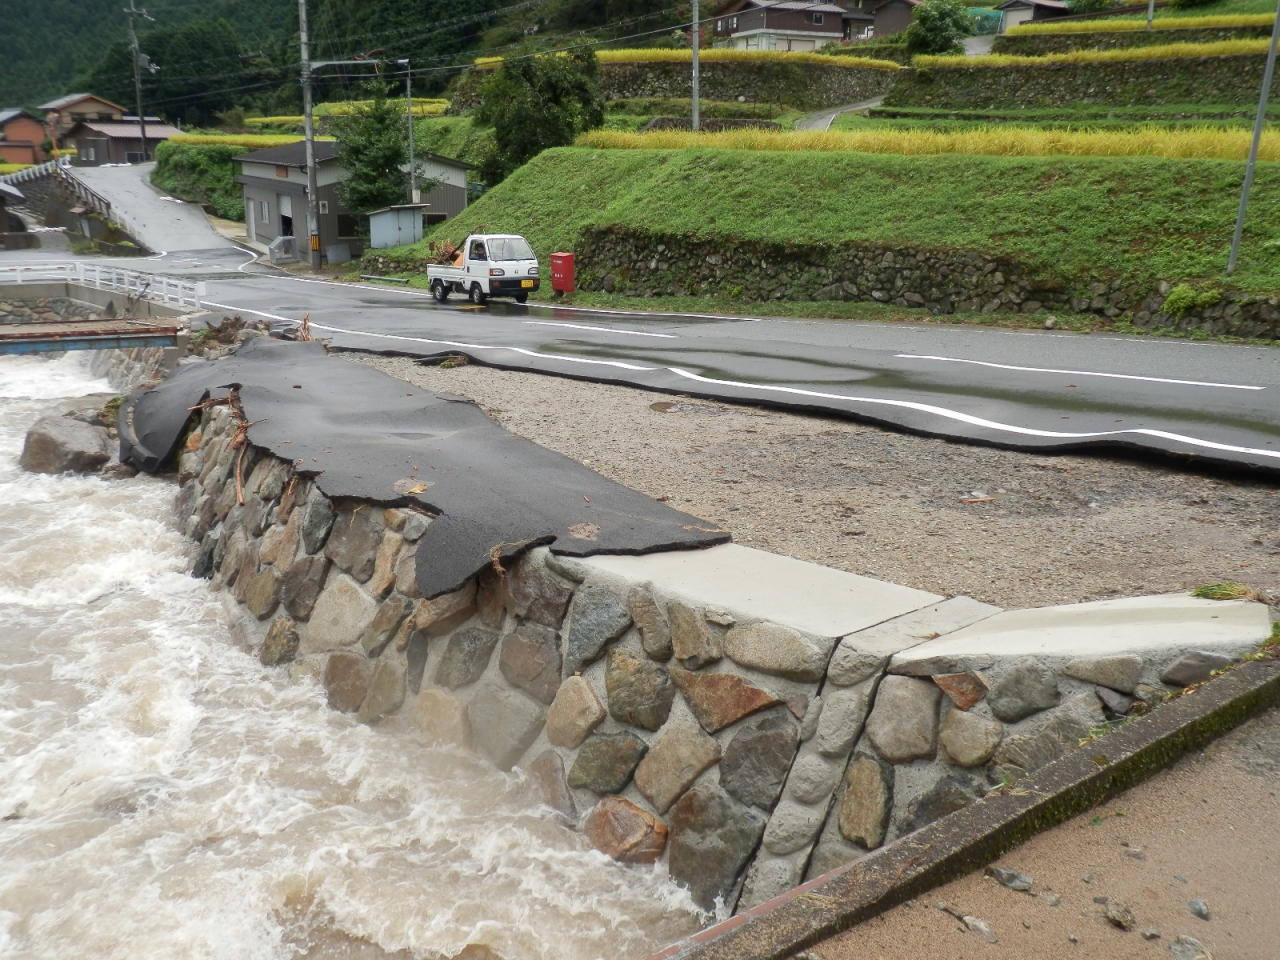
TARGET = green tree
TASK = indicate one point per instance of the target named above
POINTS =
(373, 149)
(939, 27)
(535, 103)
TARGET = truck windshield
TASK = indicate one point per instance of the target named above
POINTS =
(510, 248)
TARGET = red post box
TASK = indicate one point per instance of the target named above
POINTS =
(562, 272)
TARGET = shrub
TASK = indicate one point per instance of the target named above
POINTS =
(1185, 297)
(1091, 6)
(202, 172)
(939, 27)
(249, 141)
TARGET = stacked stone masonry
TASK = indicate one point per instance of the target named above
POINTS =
(745, 754)
(46, 310)
(1040, 44)
(807, 86)
(1119, 83)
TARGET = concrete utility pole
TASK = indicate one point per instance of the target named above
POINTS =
(131, 12)
(1258, 123)
(313, 202)
(408, 103)
(696, 37)
(1151, 12)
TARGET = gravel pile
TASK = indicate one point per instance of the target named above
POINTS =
(1012, 529)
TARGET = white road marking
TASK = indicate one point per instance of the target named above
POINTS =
(583, 326)
(1078, 373)
(980, 421)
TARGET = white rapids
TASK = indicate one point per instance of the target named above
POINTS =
(164, 795)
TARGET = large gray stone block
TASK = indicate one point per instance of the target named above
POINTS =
(504, 723)
(903, 724)
(712, 837)
(58, 444)
(340, 617)
(778, 650)
(597, 617)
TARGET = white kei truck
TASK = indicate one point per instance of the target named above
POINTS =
(488, 265)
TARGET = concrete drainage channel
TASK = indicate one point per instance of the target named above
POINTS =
(750, 720)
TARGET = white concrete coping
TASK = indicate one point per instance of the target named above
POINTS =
(920, 626)
(754, 585)
(1170, 622)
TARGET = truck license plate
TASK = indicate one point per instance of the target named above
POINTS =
(526, 283)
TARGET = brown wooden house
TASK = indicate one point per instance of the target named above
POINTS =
(778, 25)
(893, 17)
(115, 141)
(66, 112)
(21, 133)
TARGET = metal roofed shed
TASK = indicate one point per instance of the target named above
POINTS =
(396, 225)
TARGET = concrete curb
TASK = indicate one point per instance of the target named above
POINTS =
(966, 840)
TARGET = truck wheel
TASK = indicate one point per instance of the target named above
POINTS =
(522, 298)
(439, 291)
(478, 296)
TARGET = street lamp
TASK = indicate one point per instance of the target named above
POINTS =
(408, 105)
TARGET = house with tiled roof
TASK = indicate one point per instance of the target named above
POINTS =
(21, 133)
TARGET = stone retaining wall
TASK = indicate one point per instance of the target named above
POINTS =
(808, 86)
(1039, 44)
(742, 752)
(1210, 80)
(44, 309)
(619, 260)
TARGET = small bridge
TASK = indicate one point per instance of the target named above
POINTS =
(47, 337)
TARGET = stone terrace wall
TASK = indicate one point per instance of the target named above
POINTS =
(808, 86)
(618, 260)
(1037, 45)
(744, 753)
(44, 309)
(1210, 80)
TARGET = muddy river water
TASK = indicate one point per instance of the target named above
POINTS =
(164, 795)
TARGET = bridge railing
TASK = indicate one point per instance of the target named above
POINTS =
(149, 286)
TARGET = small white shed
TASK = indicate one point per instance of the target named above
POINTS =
(397, 225)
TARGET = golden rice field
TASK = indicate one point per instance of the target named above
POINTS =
(1159, 23)
(723, 55)
(252, 141)
(1214, 143)
(423, 107)
(1168, 51)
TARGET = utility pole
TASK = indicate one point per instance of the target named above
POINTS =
(313, 202)
(408, 103)
(131, 12)
(696, 37)
(1258, 123)
(1151, 12)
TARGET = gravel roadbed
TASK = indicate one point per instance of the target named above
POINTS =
(1008, 528)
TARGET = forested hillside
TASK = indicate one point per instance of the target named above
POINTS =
(215, 55)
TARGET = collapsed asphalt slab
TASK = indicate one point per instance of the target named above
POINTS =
(966, 840)
(363, 435)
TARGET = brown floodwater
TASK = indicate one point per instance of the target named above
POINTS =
(164, 795)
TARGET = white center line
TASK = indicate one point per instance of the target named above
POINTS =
(1079, 373)
(583, 326)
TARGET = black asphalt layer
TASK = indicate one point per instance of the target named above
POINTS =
(363, 435)
(1211, 404)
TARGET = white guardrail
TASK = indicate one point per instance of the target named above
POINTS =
(149, 286)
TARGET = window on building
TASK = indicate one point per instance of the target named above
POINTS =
(733, 23)
(282, 171)
(719, 26)
(86, 153)
(132, 156)
(815, 18)
(348, 226)
(264, 212)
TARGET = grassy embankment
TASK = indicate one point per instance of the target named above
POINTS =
(1145, 218)
(1170, 117)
